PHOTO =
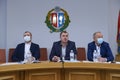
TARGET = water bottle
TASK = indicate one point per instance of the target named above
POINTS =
(95, 56)
(71, 55)
(63, 59)
(29, 57)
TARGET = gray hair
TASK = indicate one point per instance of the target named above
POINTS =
(95, 33)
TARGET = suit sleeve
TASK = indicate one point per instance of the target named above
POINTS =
(74, 48)
(15, 54)
(37, 52)
(90, 53)
(52, 53)
(109, 53)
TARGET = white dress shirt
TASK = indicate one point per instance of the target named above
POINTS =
(27, 50)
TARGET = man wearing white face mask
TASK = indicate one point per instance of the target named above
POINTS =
(26, 49)
(101, 47)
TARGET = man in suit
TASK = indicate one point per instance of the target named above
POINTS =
(101, 47)
(27, 48)
(61, 49)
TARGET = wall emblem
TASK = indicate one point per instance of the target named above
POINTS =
(57, 20)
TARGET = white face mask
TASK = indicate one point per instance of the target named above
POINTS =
(27, 38)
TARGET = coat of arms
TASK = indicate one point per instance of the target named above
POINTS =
(57, 20)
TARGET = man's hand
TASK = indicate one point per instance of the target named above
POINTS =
(55, 59)
(102, 59)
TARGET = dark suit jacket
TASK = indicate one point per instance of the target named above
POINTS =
(18, 54)
(57, 50)
(105, 51)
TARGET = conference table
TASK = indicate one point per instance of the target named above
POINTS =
(45, 70)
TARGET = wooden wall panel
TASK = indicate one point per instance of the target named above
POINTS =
(10, 76)
(113, 75)
(43, 74)
(82, 74)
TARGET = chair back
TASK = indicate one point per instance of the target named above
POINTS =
(11, 51)
(2, 56)
(117, 57)
(43, 54)
(81, 53)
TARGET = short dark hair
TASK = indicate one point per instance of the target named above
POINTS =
(28, 32)
(63, 32)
